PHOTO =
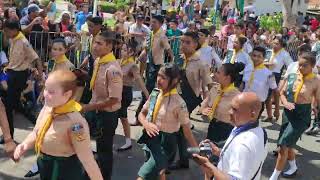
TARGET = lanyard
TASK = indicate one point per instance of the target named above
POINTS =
(236, 132)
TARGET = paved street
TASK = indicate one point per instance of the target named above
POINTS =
(126, 164)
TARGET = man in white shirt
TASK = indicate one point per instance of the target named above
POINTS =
(139, 31)
(244, 152)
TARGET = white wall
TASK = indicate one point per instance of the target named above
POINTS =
(267, 6)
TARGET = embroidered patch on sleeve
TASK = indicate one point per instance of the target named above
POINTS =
(77, 131)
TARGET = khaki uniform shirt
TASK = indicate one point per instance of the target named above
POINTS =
(159, 44)
(198, 74)
(130, 73)
(222, 111)
(64, 66)
(108, 84)
(22, 55)
(172, 113)
(310, 89)
(60, 140)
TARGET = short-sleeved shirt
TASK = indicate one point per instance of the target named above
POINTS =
(244, 155)
(222, 111)
(134, 28)
(246, 47)
(67, 65)
(198, 74)
(108, 84)
(310, 89)
(130, 73)
(25, 21)
(281, 59)
(22, 55)
(36, 38)
(244, 58)
(172, 113)
(174, 43)
(3, 58)
(209, 56)
(159, 44)
(263, 81)
(59, 133)
(81, 18)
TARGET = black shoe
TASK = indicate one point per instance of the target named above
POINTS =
(120, 149)
(178, 165)
(293, 175)
(31, 174)
(1, 140)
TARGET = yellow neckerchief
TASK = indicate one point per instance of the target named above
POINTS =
(159, 101)
(14, 40)
(59, 60)
(234, 55)
(127, 61)
(274, 55)
(205, 44)
(260, 66)
(302, 79)
(154, 34)
(70, 106)
(104, 60)
(217, 99)
(187, 60)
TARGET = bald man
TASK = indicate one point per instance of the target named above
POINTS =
(244, 152)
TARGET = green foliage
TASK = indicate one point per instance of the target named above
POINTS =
(211, 16)
(114, 6)
(273, 22)
(44, 2)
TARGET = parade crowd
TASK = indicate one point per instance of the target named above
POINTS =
(73, 77)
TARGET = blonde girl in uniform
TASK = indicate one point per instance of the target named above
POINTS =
(61, 135)
(298, 92)
(131, 74)
(161, 117)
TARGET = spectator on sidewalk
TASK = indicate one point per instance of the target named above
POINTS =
(81, 16)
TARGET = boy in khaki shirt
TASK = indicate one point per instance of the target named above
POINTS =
(106, 85)
(21, 58)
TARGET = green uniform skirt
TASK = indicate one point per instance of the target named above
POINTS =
(218, 132)
(294, 123)
(158, 151)
(60, 168)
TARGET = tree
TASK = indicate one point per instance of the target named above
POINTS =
(290, 11)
